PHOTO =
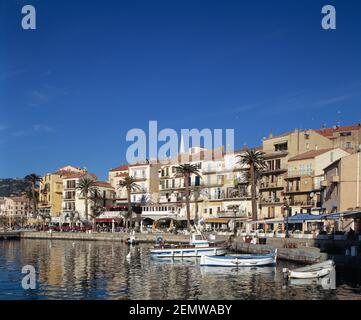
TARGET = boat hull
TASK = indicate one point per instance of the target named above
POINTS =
(310, 274)
(238, 261)
(317, 270)
(187, 252)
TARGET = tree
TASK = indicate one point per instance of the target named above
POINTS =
(33, 179)
(87, 187)
(254, 160)
(186, 171)
(129, 183)
(96, 208)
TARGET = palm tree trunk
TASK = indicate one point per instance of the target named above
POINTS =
(33, 195)
(186, 185)
(86, 205)
(130, 213)
(253, 193)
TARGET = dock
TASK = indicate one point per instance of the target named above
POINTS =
(9, 235)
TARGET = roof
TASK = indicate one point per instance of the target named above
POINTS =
(17, 199)
(76, 175)
(120, 168)
(103, 184)
(328, 132)
(309, 154)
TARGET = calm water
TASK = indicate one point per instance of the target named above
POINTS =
(101, 270)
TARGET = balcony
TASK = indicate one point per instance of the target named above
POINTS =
(298, 174)
(266, 201)
(271, 185)
(276, 169)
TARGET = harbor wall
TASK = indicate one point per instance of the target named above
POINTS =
(142, 238)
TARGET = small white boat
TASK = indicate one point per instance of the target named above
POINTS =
(240, 260)
(317, 270)
(198, 247)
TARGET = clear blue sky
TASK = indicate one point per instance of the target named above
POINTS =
(70, 90)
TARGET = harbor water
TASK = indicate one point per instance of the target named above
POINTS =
(113, 270)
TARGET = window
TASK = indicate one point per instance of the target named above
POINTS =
(205, 210)
(281, 146)
(345, 134)
(348, 145)
(210, 211)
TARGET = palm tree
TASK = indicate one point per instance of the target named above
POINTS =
(96, 209)
(255, 162)
(33, 179)
(129, 183)
(186, 170)
(87, 187)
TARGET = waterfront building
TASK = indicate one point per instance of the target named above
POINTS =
(51, 191)
(304, 177)
(342, 188)
(17, 207)
(278, 150)
(344, 137)
(114, 176)
(146, 177)
(73, 201)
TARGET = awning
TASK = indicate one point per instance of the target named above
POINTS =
(107, 220)
(272, 221)
(299, 218)
(352, 214)
(332, 216)
(218, 220)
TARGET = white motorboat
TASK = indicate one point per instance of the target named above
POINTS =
(317, 270)
(199, 246)
(240, 260)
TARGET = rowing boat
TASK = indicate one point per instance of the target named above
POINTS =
(317, 270)
(239, 260)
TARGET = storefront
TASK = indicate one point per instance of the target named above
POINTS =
(217, 224)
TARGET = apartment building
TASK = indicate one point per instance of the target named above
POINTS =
(146, 177)
(73, 201)
(344, 137)
(304, 177)
(51, 190)
(17, 206)
(114, 176)
(278, 150)
(342, 184)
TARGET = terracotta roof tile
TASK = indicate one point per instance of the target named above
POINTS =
(328, 132)
(103, 184)
(120, 168)
(309, 154)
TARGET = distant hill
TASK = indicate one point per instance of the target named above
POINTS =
(12, 187)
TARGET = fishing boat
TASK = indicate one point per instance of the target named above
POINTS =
(317, 270)
(240, 260)
(199, 246)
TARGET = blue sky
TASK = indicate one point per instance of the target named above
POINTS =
(70, 90)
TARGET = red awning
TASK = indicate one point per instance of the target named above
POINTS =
(108, 220)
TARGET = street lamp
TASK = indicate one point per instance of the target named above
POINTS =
(287, 209)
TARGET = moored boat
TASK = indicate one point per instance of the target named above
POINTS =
(240, 260)
(199, 246)
(317, 270)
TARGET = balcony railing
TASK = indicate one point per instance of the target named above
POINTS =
(270, 185)
(299, 173)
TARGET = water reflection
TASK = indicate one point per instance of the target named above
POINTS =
(107, 270)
